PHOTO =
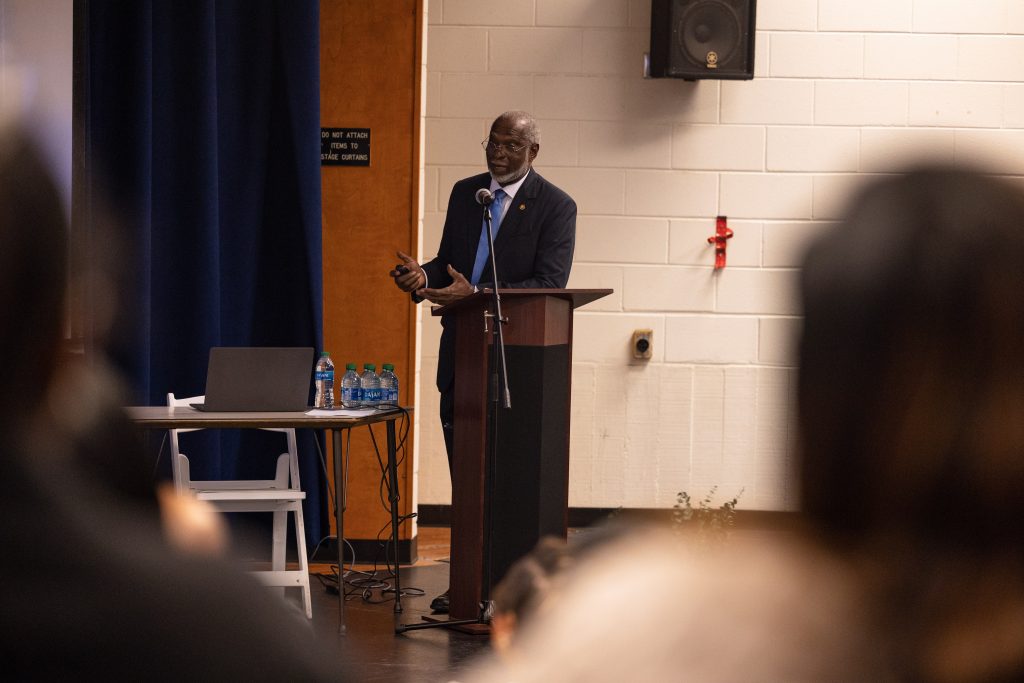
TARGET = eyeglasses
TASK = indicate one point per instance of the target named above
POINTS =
(490, 146)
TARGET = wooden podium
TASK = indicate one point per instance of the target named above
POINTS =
(499, 512)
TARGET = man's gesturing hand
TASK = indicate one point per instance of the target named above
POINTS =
(408, 275)
(458, 289)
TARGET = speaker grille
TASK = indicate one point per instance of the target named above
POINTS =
(708, 34)
(702, 39)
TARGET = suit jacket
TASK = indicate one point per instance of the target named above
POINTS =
(533, 248)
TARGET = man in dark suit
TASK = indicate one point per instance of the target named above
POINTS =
(535, 231)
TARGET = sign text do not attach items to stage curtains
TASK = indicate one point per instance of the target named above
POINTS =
(344, 146)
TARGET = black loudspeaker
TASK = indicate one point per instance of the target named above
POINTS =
(694, 39)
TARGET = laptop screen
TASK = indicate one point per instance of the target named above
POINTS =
(259, 378)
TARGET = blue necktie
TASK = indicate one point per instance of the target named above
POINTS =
(482, 247)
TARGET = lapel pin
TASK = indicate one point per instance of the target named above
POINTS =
(522, 207)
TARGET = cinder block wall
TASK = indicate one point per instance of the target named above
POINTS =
(843, 91)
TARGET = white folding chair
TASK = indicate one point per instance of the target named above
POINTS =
(280, 495)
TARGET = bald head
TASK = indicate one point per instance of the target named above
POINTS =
(513, 145)
(521, 121)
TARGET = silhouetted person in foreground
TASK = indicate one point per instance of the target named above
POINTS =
(89, 588)
(911, 416)
(522, 592)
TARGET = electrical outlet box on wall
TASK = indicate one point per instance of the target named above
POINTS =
(643, 344)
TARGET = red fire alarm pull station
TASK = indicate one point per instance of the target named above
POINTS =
(722, 233)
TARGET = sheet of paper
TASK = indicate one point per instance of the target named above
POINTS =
(341, 412)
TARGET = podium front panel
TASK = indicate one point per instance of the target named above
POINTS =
(531, 471)
(501, 509)
(538, 321)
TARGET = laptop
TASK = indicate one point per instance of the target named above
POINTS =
(258, 379)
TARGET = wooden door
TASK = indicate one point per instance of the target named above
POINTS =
(371, 57)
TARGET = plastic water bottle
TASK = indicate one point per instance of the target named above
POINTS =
(351, 397)
(324, 379)
(369, 386)
(388, 386)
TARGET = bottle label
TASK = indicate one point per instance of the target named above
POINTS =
(322, 375)
(371, 395)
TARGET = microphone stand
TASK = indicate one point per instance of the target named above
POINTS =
(496, 389)
(498, 352)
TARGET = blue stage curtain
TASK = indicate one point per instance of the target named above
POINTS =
(200, 122)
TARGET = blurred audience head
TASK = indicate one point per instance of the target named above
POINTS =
(110, 591)
(911, 415)
(911, 388)
(524, 588)
(33, 274)
(55, 404)
(647, 606)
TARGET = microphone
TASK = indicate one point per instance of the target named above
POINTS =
(484, 196)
